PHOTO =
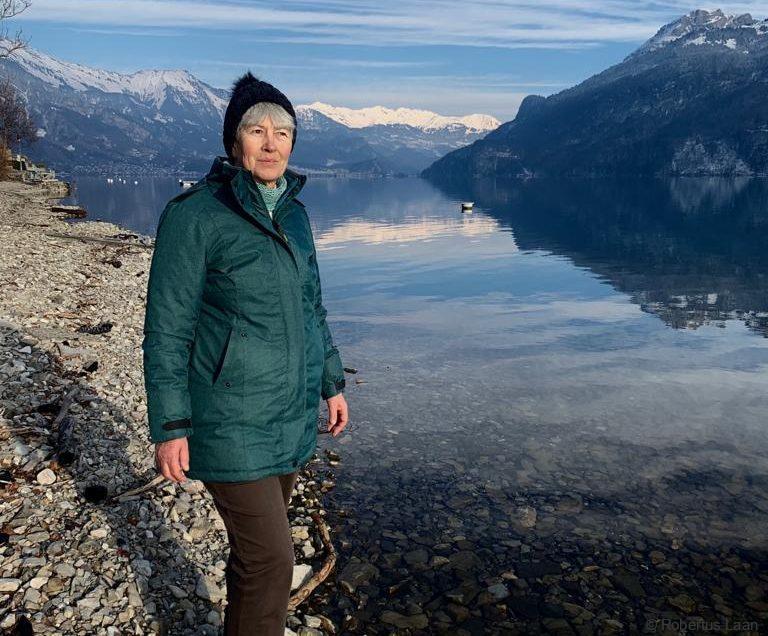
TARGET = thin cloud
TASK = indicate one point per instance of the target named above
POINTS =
(371, 63)
(480, 81)
(513, 24)
(320, 63)
(158, 33)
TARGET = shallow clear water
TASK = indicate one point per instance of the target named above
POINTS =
(594, 351)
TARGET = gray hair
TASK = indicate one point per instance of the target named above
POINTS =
(257, 113)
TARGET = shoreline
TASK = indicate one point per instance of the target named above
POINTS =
(71, 324)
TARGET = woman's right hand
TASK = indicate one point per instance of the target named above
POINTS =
(172, 458)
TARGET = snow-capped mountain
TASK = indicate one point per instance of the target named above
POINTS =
(152, 88)
(712, 28)
(422, 119)
(168, 121)
(379, 139)
(690, 101)
(92, 120)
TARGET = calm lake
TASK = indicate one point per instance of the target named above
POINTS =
(559, 417)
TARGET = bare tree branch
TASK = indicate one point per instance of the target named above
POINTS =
(10, 9)
(16, 126)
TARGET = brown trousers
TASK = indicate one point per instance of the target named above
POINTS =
(260, 565)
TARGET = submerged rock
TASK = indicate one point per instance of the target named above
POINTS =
(357, 573)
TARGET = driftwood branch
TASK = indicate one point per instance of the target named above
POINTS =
(330, 561)
(70, 210)
(93, 239)
(141, 489)
(69, 398)
(65, 428)
(65, 443)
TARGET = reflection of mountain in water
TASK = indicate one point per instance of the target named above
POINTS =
(691, 251)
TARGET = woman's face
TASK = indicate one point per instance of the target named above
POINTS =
(263, 150)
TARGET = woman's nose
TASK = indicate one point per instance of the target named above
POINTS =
(268, 142)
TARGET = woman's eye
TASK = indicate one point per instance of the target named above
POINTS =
(282, 133)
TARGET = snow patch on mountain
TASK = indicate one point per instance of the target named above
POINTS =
(702, 40)
(380, 115)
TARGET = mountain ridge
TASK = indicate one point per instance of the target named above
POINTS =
(381, 115)
(686, 102)
(168, 122)
(145, 85)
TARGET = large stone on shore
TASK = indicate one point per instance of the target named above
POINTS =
(207, 589)
(301, 574)
(177, 591)
(9, 585)
(65, 570)
(46, 477)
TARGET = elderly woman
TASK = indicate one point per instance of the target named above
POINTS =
(237, 351)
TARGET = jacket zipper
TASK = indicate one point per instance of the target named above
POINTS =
(282, 235)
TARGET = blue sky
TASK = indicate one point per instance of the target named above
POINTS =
(453, 57)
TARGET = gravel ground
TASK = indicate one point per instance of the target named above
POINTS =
(76, 557)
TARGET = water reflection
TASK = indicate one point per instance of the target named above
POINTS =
(691, 251)
(412, 229)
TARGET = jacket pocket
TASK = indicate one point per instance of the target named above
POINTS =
(224, 358)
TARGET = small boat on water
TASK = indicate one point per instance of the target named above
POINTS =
(467, 206)
(186, 183)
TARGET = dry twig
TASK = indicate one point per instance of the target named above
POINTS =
(141, 489)
(330, 561)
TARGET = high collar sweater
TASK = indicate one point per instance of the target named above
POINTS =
(271, 195)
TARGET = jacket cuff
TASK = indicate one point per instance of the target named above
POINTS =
(172, 430)
(172, 426)
(169, 413)
(332, 388)
(333, 375)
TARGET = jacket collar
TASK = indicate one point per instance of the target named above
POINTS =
(247, 193)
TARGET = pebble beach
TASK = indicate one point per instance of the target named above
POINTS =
(92, 541)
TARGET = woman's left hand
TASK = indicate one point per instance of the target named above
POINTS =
(338, 414)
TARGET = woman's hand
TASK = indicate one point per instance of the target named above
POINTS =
(172, 457)
(338, 414)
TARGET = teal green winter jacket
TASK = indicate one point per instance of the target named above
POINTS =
(237, 351)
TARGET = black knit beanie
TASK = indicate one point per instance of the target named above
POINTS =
(247, 91)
